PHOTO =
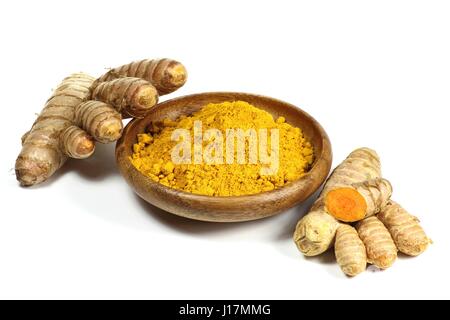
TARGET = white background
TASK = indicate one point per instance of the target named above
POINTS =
(374, 73)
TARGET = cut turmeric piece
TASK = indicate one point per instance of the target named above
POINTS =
(346, 204)
(315, 232)
(358, 201)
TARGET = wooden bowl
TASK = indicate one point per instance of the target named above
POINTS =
(235, 208)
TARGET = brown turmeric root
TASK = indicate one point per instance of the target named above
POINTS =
(165, 75)
(405, 229)
(381, 249)
(100, 120)
(69, 124)
(56, 134)
(132, 97)
(47, 145)
(77, 143)
(74, 142)
(358, 201)
(350, 251)
(315, 233)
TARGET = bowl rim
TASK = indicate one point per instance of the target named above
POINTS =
(326, 147)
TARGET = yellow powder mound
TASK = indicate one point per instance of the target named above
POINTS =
(153, 153)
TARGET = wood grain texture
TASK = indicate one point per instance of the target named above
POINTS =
(226, 209)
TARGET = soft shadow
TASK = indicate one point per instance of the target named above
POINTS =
(328, 261)
(374, 269)
(98, 167)
(402, 256)
(299, 211)
(190, 226)
(327, 257)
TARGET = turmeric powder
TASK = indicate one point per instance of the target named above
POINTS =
(232, 174)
